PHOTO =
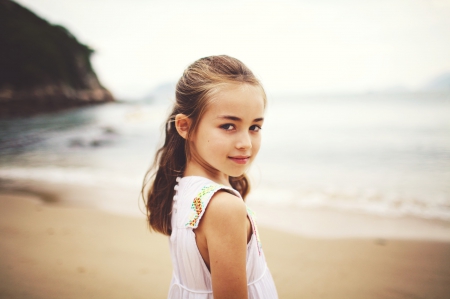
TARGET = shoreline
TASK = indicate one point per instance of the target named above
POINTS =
(328, 223)
(57, 251)
(321, 223)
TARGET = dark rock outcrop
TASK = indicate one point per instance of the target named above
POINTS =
(43, 67)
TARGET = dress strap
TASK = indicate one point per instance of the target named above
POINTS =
(252, 217)
(201, 201)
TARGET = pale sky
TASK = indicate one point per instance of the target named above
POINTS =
(341, 46)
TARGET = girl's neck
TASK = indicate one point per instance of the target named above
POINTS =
(194, 169)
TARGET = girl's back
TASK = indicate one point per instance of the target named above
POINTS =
(191, 277)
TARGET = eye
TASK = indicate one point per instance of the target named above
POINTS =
(228, 127)
(255, 128)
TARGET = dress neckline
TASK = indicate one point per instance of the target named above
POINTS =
(179, 179)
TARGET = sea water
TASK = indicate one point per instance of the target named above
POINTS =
(387, 155)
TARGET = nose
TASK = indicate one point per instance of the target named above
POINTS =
(244, 141)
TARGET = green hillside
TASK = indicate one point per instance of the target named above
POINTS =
(43, 66)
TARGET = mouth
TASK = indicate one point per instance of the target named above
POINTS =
(240, 159)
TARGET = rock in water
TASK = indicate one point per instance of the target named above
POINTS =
(43, 67)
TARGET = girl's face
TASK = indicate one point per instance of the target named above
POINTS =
(228, 135)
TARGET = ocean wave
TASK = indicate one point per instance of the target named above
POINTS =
(360, 201)
(81, 176)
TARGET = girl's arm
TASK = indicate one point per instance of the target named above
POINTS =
(224, 232)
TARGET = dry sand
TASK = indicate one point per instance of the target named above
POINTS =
(52, 251)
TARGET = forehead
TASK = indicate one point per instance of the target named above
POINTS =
(241, 100)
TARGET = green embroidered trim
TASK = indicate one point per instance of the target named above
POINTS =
(198, 205)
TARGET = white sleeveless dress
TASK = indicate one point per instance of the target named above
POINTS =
(191, 278)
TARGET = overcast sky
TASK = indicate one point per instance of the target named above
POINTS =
(292, 46)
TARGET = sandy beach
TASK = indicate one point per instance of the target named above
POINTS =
(343, 121)
(56, 251)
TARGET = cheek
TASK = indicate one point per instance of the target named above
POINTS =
(212, 142)
(256, 143)
(218, 144)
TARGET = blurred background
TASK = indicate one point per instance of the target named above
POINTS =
(358, 119)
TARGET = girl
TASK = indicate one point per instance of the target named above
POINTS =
(196, 196)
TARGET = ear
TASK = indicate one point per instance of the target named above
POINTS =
(182, 123)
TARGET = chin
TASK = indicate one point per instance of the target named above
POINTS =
(236, 174)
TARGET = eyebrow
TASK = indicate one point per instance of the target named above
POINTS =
(235, 118)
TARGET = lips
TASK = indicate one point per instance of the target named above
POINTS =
(240, 159)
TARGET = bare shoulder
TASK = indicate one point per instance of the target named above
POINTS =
(222, 233)
(225, 211)
(225, 244)
(226, 205)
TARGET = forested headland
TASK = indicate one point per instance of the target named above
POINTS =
(43, 67)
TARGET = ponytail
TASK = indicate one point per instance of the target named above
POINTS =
(169, 163)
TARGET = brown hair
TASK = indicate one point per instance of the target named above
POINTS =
(198, 84)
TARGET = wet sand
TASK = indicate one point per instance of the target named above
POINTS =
(56, 251)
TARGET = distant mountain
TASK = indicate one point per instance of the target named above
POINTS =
(394, 89)
(161, 94)
(43, 67)
(440, 83)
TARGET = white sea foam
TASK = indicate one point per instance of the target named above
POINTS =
(366, 201)
(78, 176)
